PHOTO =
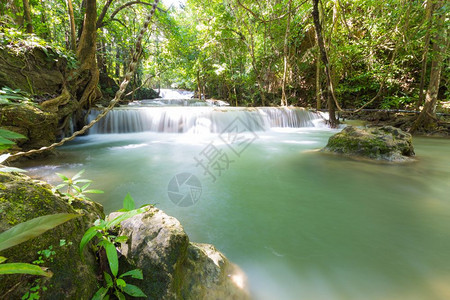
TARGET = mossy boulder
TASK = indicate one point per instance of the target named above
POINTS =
(173, 267)
(37, 125)
(22, 199)
(36, 70)
(379, 143)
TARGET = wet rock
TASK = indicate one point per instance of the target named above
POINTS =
(378, 143)
(173, 267)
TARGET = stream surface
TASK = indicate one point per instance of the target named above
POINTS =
(301, 224)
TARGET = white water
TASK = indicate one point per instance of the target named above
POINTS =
(201, 120)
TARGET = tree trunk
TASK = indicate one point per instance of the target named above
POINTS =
(27, 16)
(427, 116)
(89, 74)
(73, 33)
(331, 100)
(284, 101)
(429, 13)
(318, 88)
(199, 85)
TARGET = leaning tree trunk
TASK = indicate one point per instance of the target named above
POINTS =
(427, 116)
(332, 99)
(89, 75)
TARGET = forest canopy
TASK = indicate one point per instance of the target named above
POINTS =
(333, 54)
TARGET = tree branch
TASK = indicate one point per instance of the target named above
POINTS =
(103, 13)
(270, 20)
(101, 23)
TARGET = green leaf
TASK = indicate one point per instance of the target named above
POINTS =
(136, 273)
(6, 142)
(30, 229)
(128, 202)
(12, 169)
(2, 259)
(78, 175)
(134, 291)
(22, 268)
(109, 281)
(111, 254)
(77, 188)
(60, 186)
(88, 235)
(63, 177)
(121, 283)
(82, 181)
(11, 134)
(119, 295)
(121, 239)
(94, 191)
(100, 294)
(117, 220)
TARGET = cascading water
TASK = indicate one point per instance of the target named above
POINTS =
(201, 119)
(172, 114)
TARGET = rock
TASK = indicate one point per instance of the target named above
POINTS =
(38, 126)
(22, 199)
(173, 267)
(36, 70)
(379, 143)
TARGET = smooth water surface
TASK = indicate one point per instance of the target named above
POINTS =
(302, 224)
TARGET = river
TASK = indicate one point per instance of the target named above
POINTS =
(301, 224)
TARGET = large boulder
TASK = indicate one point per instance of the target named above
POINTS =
(22, 199)
(379, 143)
(173, 267)
(36, 70)
(39, 127)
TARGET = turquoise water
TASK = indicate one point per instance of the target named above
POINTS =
(301, 224)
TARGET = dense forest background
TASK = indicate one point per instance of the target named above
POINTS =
(324, 54)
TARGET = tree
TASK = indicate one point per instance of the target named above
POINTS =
(86, 52)
(27, 16)
(323, 54)
(427, 116)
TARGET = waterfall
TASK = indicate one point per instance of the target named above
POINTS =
(201, 119)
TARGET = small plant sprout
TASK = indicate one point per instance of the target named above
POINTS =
(74, 189)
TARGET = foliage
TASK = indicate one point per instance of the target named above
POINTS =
(10, 96)
(103, 231)
(7, 138)
(23, 232)
(44, 257)
(239, 50)
(74, 190)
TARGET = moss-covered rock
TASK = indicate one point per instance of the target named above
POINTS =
(36, 70)
(380, 143)
(22, 199)
(38, 126)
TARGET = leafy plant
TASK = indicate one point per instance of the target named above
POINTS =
(103, 231)
(23, 232)
(33, 292)
(10, 96)
(74, 190)
(7, 137)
